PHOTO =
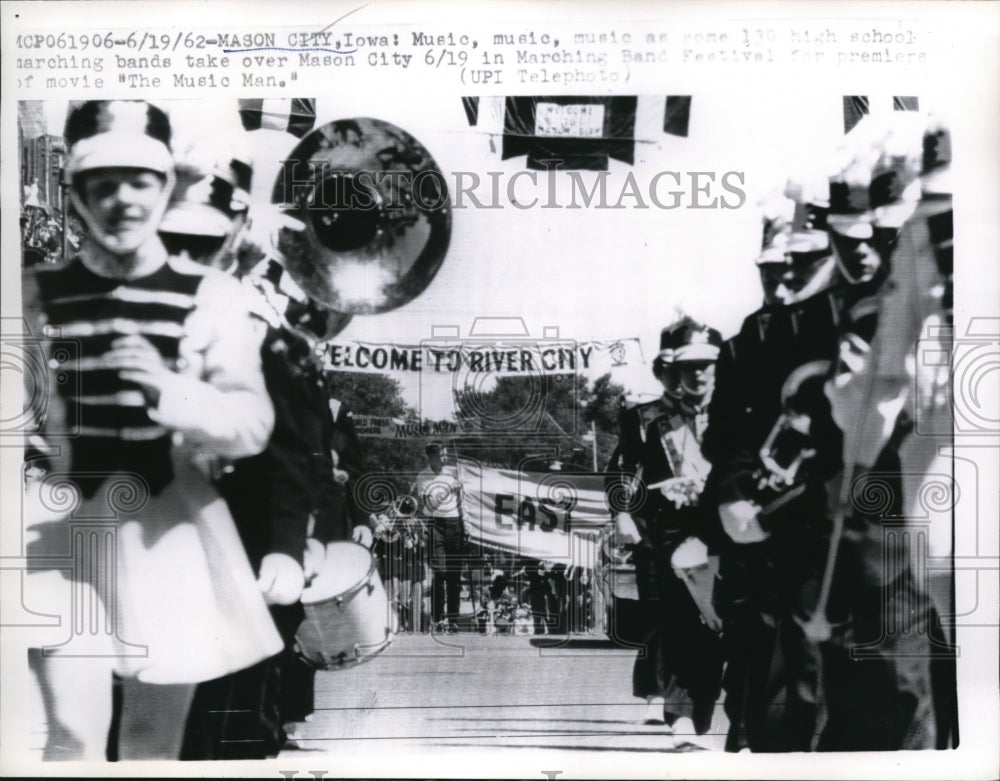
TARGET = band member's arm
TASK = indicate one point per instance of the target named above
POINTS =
(347, 443)
(726, 444)
(613, 480)
(620, 488)
(224, 407)
(630, 446)
(351, 457)
(362, 534)
(417, 521)
(288, 458)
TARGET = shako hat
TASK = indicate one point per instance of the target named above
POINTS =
(118, 134)
(688, 340)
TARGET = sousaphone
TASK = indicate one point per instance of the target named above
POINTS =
(371, 219)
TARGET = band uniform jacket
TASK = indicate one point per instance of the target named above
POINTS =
(682, 660)
(241, 716)
(774, 700)
(272, 494)
(185, 603)
(337, 510)
(753, 368)
(658, 440)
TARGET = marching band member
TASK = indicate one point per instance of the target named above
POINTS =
(772, 446)
(679, 672)
(278, 495)
(893, 687)
(168, 375)
(337, 516)
(400, 542)
(795, 610)
(271, 494)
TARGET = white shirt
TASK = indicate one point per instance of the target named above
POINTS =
(440, 493)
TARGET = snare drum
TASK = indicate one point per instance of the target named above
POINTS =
(347, 612)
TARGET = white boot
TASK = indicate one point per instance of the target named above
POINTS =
(654, 711)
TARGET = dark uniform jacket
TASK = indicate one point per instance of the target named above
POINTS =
(337, 511)
(658, 440)
(752, 369)
(272, 494)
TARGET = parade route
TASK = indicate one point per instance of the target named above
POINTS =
(438, 693)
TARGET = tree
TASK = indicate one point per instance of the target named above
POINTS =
(369, 394)
(375, 394)
(522, 421)
(534, 420)
(603, 407)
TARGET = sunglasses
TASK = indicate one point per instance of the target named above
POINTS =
(881, 239)
(696, 365)
(198, 248)
(801, 263)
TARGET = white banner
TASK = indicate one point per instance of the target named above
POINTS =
(552, 516)
(473, 357)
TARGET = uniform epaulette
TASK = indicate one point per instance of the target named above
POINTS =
(640, 406)
(652, 410)
(750, 330)
(730, 347)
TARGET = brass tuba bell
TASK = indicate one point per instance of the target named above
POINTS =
(374, 213)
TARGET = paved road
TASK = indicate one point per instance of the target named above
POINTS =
(490, 694)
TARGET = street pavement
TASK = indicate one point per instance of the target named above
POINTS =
(439, 693)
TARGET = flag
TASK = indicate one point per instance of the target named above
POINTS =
(677, 115)
(291, 115)
(471, 106)
(858, 106)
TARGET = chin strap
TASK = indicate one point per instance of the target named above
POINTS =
(150, 228)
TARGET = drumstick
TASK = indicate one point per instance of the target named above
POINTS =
(669, 480)
(781, 501)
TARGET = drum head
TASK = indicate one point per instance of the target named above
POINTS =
(347, 565)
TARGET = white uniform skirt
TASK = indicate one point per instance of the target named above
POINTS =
(183, 605)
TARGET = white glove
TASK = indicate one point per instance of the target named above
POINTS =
(362, 535)
(739, 519)
(313, 558)
(281, 579)
(682, 491)
(626, 530)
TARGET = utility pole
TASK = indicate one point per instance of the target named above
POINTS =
(593, 442)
